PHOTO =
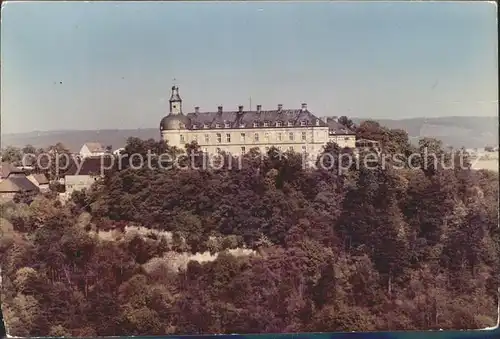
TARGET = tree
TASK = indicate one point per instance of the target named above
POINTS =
(12, 155)
(343, 120)
(292, 249)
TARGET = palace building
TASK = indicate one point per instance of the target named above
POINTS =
(238, 131)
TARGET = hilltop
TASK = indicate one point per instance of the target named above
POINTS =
(471, 132)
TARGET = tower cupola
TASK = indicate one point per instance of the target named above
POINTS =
(175, 101)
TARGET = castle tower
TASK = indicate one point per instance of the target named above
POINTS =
(175, 101)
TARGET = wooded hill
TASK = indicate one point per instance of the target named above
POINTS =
(365, 249)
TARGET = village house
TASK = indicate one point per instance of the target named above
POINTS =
(91, 169)
(40, 180)
(92, 149)
(13, 180)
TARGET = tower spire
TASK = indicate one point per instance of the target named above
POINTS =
(175, 101)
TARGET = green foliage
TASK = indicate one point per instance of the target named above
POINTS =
(365, 249)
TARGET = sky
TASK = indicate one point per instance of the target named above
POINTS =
(110, 65)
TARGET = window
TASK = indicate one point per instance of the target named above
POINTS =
(303, 136)
(227, 125)
(205, 150)
(205, 126)
(194, 126)
(278, 123)
(182, 139)
(266, 124)
(219, 138)
(290, 136)
(266, 136)
(217, 125)
(217, 150)
(242, 125)
(346, 138)
(279, 137)
(290, 148)
(207, 138)
(242, 137)
(243, 150)
(303, 148)
(228, 137)
(302, 123)
(256, 137)
(255, 124)
(290, 124)
(195, 138)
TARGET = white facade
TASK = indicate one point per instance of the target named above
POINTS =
(240, 141)
(343, 140)
(79, 182)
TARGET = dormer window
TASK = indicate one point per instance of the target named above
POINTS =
(227, 125)
(194, 126)
(205, 126)
(303, 123)
(255, 124)
(242, 125)
(266, 124)
(290, 123)
(217, 125)
(278, 123)
(317, 122)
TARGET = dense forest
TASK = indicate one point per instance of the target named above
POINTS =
(268, 247)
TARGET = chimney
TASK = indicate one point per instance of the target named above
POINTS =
(304, 107)
(280, 107)
(259, 107)
(240, 109)
(197, 109)
(325, 119)
(219, 109)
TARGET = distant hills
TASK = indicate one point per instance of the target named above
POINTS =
(471, 132)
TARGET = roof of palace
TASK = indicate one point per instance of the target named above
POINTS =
(245, 119)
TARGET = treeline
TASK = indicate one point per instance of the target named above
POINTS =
(366, 249)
